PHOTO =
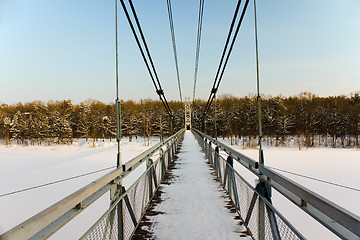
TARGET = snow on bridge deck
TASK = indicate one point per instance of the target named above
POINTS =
(193, 204)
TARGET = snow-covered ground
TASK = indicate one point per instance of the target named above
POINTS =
(337, 165)
(23, 167)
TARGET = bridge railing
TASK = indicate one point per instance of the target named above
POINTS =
(254, 205)
(127, 206)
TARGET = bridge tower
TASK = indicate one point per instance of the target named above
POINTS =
(187, 114)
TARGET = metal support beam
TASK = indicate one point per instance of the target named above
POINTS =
(261, 220)
(251, 208)
(130, 209)
(273, 223)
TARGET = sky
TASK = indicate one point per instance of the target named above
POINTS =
(65, 49)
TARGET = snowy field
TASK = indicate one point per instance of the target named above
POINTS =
(22, 167)
(336, 165)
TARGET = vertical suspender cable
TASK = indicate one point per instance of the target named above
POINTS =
(117, 101)
(215, 126)
(258, 102)
(198, 41)
(172, 30)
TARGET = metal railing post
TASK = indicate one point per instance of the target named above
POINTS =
(168, 152)
(228, 174)
(173, 148)
(264, 190)
(149, 163)
(205, 147)
(120, 219)
(261, 219)
(210, 155)
(115, 193)
(217, 162)
(162, 161)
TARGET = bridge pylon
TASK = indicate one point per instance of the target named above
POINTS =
(187, 113)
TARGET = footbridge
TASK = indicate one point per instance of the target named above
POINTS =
(190, 189)
(190, 186)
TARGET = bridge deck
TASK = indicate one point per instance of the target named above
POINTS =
(193, 204)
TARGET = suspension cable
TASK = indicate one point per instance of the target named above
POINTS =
(172, 30)
(117, 101)
(213, 91)
(227, 51)
(161, 91)
(198, 41)
(146, 58)
(258, 99)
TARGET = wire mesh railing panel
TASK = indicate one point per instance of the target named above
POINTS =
(270, 232)
(245, 195)
(285, 231)
(106, 229)
(128, 226)
(134, 204)
(253, 225)
(137, 201)
(273, 225)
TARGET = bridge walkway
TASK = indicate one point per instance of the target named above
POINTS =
(193, 204)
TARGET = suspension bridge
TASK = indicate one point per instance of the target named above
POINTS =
(191, 188)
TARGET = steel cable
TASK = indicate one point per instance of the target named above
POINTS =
(198, 41)
(227, 52)
(54, 182)
(316, 179)
(172, 30)
(161, 91)
(152, 71)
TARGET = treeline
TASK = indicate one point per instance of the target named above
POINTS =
(313, 120)
(62, 121)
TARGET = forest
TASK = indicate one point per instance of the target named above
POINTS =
(327, 121)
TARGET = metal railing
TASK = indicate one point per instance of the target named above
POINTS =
(127, 206)
(254, 205)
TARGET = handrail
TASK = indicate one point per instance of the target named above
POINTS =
(241, 158)
(140, 158)
(113, 205)
(48, 221)
(266, 201)
(340, 221)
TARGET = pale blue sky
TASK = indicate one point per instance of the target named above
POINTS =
(65, 49)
